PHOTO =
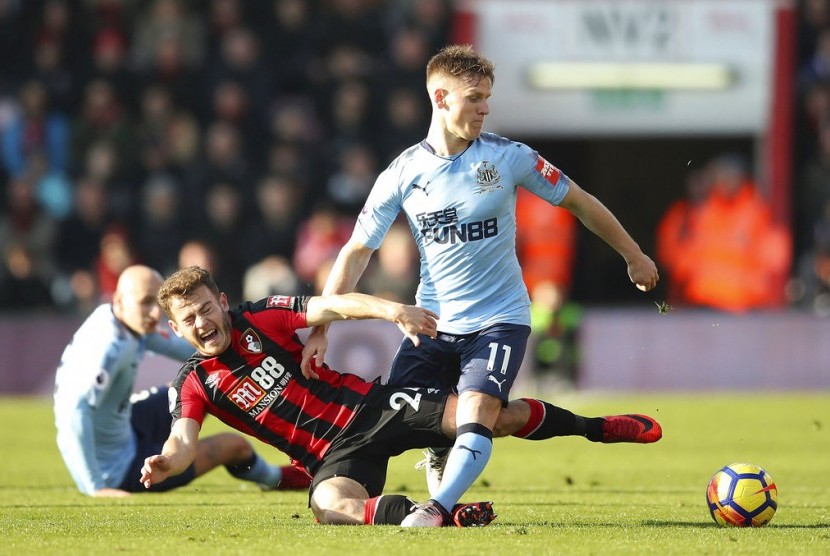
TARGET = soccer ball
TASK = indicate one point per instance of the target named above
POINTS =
(742, 495)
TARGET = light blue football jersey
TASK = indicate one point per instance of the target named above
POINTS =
(92, 407)
(462, 213)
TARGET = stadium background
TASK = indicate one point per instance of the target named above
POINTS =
(195, 108)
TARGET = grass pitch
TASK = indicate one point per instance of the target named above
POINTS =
(562, 496)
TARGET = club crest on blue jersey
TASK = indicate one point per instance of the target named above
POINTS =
(488, 178)
(250, 342)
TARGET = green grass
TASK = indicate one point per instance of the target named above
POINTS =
(563, 496)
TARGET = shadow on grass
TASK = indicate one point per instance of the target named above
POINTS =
(652, 523)
(648, 523)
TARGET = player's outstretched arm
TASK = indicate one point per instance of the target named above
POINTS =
(410, 319)
(343, 277)
(596, 217)
(178, 453)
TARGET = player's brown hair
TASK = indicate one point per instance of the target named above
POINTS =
(182, 284)
(458, 60)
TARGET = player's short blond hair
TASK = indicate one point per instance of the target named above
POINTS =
(458, 60)
(181, 285)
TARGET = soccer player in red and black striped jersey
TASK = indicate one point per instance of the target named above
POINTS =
(340, 428)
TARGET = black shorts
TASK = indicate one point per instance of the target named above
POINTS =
(151, 422)
(393, 421)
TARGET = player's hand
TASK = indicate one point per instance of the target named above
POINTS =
(315, 348)
(414, 320)
(110, 493)
(643, 272)
(155, 470)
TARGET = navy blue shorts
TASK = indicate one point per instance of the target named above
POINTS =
(486, 361)
(151, 422)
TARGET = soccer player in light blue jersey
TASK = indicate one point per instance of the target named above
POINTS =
(104, 431)
(458, 189)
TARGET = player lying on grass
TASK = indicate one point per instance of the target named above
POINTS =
(104, 434)
(342, 429)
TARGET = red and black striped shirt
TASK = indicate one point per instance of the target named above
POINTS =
(256, 385)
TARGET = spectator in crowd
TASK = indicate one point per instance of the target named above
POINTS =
(290, 33)
(59, 43)
(20, 287)
(271, 276)
(102, 118)
(272, 230)
(352, 179)
(224, 161)
(395, 274)
(811, 285)
(110, 57)
(319, 239)
(223, 229)
(676, 231)
(161, 229)
(116, 253)
(27, 236)
(79, 236)
(733, 256)
(35, 129)
(165, 19)
(197, 253)
(814, 185)
(546, 247)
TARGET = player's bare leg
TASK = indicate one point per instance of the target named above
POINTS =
(239, 458)
(339, 501)
(221, 449)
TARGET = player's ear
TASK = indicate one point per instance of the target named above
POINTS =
(117, 299)
(439, 96)
(223, 302)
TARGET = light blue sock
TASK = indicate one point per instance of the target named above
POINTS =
(465, 463)
(257, 470)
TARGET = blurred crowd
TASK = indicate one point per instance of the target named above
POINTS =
(810, 287)
(240, 135)
(244, 136)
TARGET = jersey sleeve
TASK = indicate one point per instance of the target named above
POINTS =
(380, 210)
(539, 176)
(186, 396)
(279, 316)
(165, 342)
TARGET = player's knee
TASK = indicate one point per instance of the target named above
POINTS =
(226, 449)
(511, 418)
(238, 448)
(333, 511)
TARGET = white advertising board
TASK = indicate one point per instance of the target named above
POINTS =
(627, 67)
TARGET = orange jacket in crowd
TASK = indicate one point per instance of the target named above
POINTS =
(545, 242)
(724, 252)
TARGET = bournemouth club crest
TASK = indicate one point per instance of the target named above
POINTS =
(250, 341)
